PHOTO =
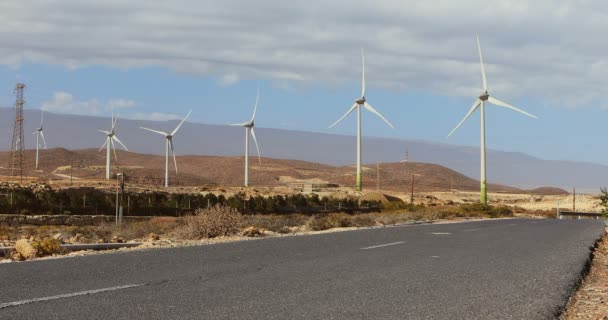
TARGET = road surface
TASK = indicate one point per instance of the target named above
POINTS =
(499, 269)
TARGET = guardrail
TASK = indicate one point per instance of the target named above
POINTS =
(579, 215)
(4, 251)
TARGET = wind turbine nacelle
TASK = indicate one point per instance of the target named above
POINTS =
(484, 96)
(249, 125)
(360, 100)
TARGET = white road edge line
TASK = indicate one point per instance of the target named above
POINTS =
(440, 233)
(382, 245)
(67, 295)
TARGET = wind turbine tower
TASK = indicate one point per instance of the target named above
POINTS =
(109, 144)
(359, 103)
(39, 136)
(169, 146)
(249, 129)
(480, 104)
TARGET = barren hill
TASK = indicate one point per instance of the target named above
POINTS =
(89, 165)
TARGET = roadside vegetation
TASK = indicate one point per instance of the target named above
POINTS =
(603, 201)
(225, 221)
(42, 200)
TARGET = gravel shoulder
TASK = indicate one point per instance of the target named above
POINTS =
(591, 299)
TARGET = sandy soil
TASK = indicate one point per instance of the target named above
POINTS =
(591, 300)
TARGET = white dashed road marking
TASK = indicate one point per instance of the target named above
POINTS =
(382, 245)
(67, 295)
(441, 233)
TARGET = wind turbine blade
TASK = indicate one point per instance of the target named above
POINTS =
(355, 105)
(374, 111)
(257, 99)
(483, 70)
(256, 145)
(41, 118)
(112, 120)
(473, 108)
(155, 131)
(173, 153)
(120, 142)
(363, 74)
(114, 149)
(43, 140)
(239, 124)
(104, 144)
(35, 132)
(106, 132)
(499, 103)
(180, 124)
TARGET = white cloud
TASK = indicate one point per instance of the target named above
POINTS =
(547, 48)
(64, 102)
(229, 79)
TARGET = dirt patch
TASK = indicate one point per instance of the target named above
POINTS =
(591, 299)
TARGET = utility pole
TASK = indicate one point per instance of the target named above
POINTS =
(412, 193)
(451, 184)
(405, 164)
(71, 168)
(574, 199)
(122, 197)
(117, 200)
(378, 176)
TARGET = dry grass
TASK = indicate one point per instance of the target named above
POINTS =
(275, 223)
(142, 229)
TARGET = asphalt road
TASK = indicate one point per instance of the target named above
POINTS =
(501, 269)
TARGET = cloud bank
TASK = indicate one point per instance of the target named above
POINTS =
(550, 49)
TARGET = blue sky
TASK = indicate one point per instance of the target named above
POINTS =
(157, 61)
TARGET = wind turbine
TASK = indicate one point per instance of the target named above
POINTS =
(39, 134)
(169, 145)
(361, 102)
(480, 103)
(109, 144)
(249, 129)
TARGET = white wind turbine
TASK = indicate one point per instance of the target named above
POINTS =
(249, 127)
(361, 102)
(39, 135)
(480, 103)
(169, 145)
(109, 144)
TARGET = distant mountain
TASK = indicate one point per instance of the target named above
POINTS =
(506, 168)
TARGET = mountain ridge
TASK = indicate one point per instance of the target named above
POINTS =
(504, 167)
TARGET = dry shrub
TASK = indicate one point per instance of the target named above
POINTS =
(24, 248)
(252, 231)
(328, 221)
(47, 247)
(210, 223)
(38, 248)
(363, 221)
